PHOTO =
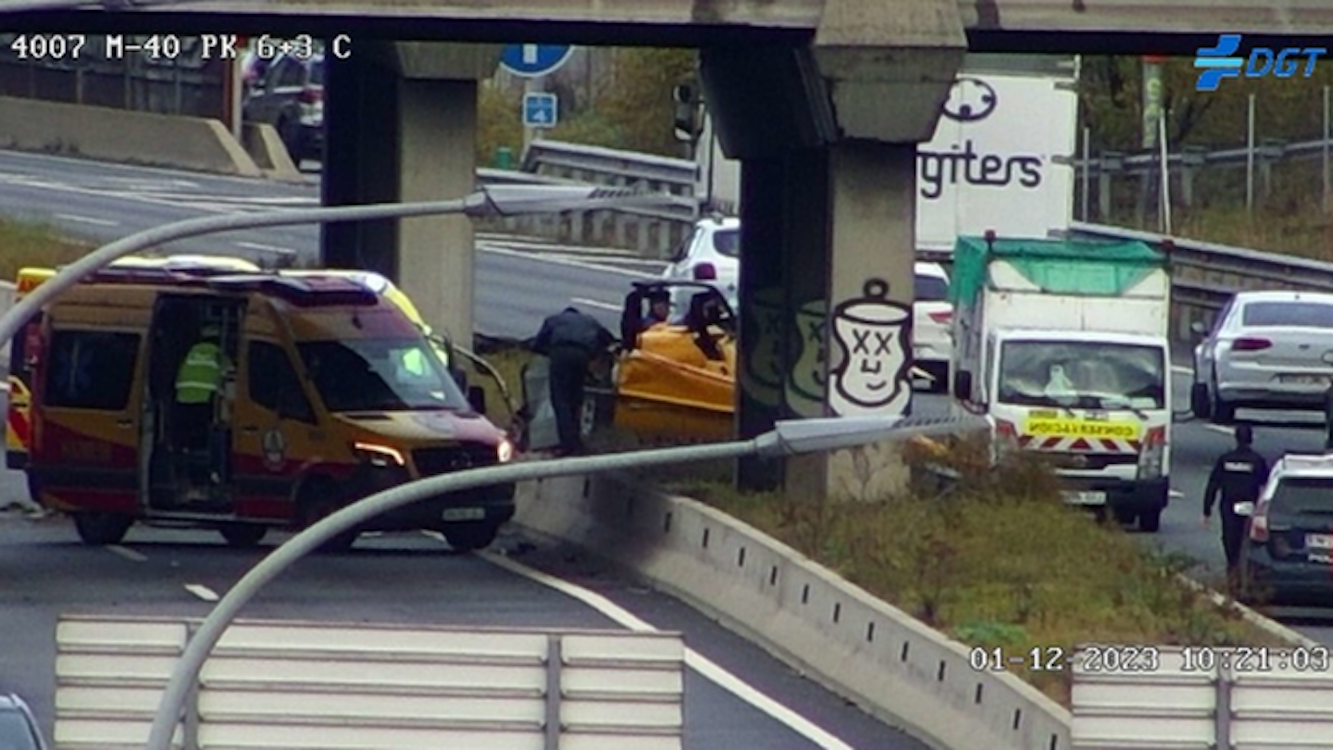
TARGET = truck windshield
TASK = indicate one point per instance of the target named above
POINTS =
(1082, 374)
(380, 375)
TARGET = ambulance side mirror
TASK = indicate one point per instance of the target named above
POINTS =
(476, 397)
(962, 385)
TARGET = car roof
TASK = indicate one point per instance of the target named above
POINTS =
(720, 222)
(1283, 295)
(1305, 465)
(926, 268)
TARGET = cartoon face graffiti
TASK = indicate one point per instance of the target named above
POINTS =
(806, 381)
(874, 335)
(762, 324)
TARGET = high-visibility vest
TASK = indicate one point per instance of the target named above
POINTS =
(200, 375)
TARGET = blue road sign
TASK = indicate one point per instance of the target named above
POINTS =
(532, 60)
(540, 110)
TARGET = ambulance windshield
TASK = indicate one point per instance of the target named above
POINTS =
(1082, 374)
(400, 374)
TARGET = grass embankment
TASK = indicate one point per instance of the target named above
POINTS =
(26, 243)
(999, 561)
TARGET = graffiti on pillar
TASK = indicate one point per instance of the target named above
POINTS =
(807, 381)
(762, 325)
(874, 334)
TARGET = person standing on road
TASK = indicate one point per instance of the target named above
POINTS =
(1238, 476)
(571, 340)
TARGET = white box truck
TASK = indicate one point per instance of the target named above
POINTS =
(1063, 345)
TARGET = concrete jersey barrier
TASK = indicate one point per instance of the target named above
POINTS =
(122, 136)
(861, 648)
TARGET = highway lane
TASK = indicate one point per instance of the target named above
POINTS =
(516, 284)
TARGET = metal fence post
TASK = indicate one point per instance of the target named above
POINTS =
(1249, 159)
(553, 722)
(1222, 740)
(190, 738)
(1192, 158)
(1087, 167)
(1111, 162)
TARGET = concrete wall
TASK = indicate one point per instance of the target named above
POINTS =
(121, 136)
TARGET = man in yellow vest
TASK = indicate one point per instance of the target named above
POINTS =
(198, 384)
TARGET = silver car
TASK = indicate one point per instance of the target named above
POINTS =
(18, 727)
(1266, 350)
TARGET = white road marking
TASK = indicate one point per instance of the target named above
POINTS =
(699, 663)
(561, 261)
(1182, 370)
(1176, 493)
(1220, 428)
(201, 591)
(595, 303)
(126, 553)
(88, 220)
(266, 248)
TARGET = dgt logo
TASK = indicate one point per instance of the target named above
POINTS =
(1219, 62)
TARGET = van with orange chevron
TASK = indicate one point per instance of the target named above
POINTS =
(1063, 344)
(328, 393)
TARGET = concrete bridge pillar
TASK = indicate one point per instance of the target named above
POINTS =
(827, 138)
(401, 126)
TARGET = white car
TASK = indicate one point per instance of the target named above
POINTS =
(932, 321)
(1266, 350)
(712, 253)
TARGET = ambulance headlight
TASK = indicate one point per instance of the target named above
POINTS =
(378, 455)
(504, 452)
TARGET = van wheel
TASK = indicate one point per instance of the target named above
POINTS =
(102, 528)
(320, 498)
(1150, 520)
(243, 534)
(471, 536)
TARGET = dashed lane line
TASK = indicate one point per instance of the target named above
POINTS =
(202, 591)
(88, 220)
(595, 303)
(126, 553)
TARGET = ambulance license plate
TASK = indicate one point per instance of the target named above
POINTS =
(1085, 498)
(464, 514)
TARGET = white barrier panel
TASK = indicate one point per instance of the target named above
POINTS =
(7, 289)
(836, 633)
(1277, 698)
(303, 685)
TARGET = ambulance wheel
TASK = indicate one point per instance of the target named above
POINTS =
(243, 534)
(102, 528)
(467, 537)
(320, 498)
(1150, 520)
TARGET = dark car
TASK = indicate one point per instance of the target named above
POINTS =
(1288, 552)
(290, 97)
(18, 728)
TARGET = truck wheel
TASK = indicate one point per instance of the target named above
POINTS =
(102, 528)
(1150, 520)
(467, 537)
(320, 498)
(243, 534)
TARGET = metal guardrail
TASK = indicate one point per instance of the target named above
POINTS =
(1269, 150)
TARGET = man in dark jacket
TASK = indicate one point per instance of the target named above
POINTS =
(1238, 476)
(571, 340)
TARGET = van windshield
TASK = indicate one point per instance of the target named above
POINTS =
(399, 374)
(1082, 374)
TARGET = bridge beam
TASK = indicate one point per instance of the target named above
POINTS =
(401, 126)
(827, 138)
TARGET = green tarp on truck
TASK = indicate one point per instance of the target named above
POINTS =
(1057, 266)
